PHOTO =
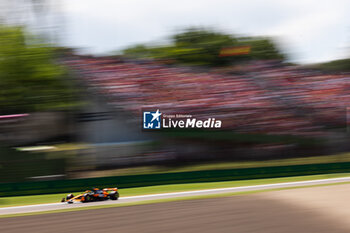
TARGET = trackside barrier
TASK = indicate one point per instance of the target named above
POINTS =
(130, 181)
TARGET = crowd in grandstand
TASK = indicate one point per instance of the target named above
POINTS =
(255, 97)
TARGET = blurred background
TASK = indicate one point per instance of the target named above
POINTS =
(75, 76)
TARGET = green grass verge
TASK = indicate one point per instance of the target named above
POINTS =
(163, 200)
(51, 198)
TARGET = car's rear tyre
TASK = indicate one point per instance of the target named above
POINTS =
(114, 196)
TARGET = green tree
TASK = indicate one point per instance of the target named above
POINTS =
(30, 80)
(201, 46)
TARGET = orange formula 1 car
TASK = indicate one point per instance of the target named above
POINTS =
(93, 195)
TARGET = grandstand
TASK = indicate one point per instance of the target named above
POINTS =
(264, 97)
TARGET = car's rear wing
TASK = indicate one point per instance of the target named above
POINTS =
(110, 189)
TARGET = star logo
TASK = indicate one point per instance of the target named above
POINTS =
(152, 120)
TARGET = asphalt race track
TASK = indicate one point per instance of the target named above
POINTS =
(321, 209)
(131, 199)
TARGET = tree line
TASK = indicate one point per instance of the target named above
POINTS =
(197, 46)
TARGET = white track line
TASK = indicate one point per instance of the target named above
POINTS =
(30, 206)
(34, 208)
(331, 180)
